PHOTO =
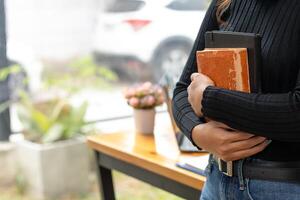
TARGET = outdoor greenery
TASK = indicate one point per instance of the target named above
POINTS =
(51, 120)
(57, 119)
(10, 70)
(81, 73)
(48, 120)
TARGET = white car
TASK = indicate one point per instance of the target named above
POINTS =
(154, 35)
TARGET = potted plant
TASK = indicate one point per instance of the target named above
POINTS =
(51, 151)
(144, 98)
(53, 156)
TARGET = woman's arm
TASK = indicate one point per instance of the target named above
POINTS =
(275, 116)
(183, 113)
(228, 145)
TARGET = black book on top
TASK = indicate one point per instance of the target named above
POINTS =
(251, 41)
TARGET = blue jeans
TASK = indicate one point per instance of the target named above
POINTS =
(221, 187)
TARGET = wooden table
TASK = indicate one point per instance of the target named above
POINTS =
(137, 155)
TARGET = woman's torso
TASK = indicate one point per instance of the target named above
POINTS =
(277, 22)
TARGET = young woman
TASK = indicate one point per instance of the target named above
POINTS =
(242, 125)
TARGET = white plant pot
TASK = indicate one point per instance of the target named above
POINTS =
(53, 170)
(8, 163)
(144, 120)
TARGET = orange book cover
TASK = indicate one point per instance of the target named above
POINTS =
(227, 67)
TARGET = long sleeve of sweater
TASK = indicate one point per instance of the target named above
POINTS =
(276, 116)
(184, 115)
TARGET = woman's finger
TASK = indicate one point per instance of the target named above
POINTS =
(231, 135)
(222, 125)
(194, 75)
(236, 136)
(245, 153)
(246, 144)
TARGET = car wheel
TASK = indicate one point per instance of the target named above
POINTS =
(171, 60)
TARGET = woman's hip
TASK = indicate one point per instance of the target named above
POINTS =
(219, 186)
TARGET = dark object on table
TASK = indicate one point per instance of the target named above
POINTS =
(190, 168)
(185, 144)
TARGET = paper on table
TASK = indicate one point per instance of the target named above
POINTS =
(199, 162)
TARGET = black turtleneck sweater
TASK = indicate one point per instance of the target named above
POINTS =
(274, 113)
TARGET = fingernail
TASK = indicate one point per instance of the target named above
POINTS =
(268, 142)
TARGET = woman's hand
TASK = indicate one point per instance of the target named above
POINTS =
(229, 145)
(196, 89)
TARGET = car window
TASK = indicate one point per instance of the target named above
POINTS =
(125, 6)
(188, 5)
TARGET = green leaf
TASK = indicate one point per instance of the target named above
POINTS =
(41, 120)
(58, 108)
(76, 120)
(34, 118)
(38, 119)
(5, 72)
(80, 112)
(108, 74)
(25, 118)
(55, 133)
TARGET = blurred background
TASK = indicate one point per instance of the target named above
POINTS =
(85, 51)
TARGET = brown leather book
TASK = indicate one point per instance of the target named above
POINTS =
(227, 67)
